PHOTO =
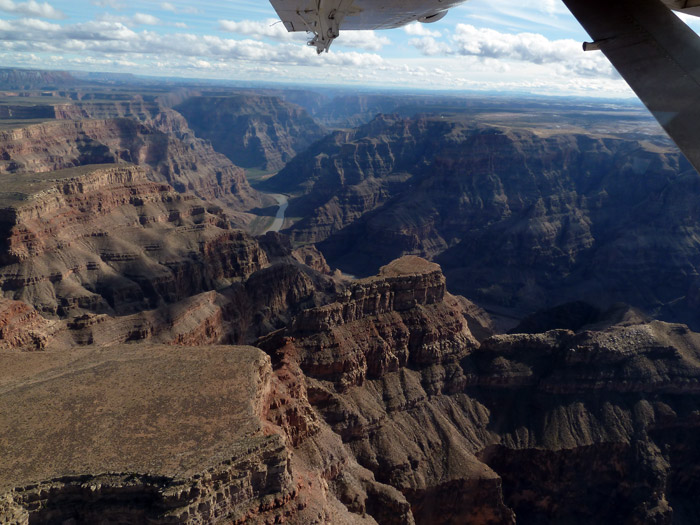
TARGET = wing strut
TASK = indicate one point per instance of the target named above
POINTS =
(659, 57)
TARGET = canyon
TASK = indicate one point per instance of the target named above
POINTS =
(162, 364)
(519, 218)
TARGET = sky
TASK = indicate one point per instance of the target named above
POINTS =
(529, 46)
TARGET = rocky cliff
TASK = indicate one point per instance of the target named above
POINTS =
(519, 427)
(184, 442)
(107, 239)
(186, 165)
(379, 405)
(384, 399)
(116, 257)
(517, 218)
(254, 131)
(12, 78)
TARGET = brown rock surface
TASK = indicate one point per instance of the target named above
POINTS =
(146, 433)
(379, 406)
(519, 218)
(164, 146)
(21, 327)
(381, 324)
(384, 399)
(254, 131)
(139, 433)
(523, 425)
(106, 239)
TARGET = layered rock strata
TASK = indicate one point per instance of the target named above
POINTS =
(378, 406)
(163, 145)
(146, 434)
(21, 327)
(254, 131)
(120, 258)
(519, 219)
(108, 240)
(470, 433)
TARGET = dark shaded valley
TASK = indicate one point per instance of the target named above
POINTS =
(479, 309)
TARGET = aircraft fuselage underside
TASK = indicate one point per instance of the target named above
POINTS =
(324, 18)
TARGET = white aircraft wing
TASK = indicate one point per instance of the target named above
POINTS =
(325, 18)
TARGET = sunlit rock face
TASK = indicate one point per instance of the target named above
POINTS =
(158, 140)
(499, 431)
(379, 404)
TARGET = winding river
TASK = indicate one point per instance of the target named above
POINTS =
(277, 223)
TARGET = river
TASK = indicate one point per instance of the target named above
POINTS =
(277, 223)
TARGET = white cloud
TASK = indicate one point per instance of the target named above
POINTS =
(114, 4)
(368, 40)
(31, 8)
(144, 19)
(468, 40)
(418, 29)
(429, 46)
(270, 28)
(137, 19)
(275, 30)
(462, 58)
(167, 6)
(114, 37)
(549, 6)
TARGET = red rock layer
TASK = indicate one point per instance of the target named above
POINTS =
(178, 158)
(382, 324)
(467, 432)
(21, 327)
(109, 240)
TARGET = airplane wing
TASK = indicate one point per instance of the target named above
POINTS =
(657, 54)
(324, 18)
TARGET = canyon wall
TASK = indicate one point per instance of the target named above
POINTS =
(551, 427)
(380, 405)
(518, 219)
(184, 162)
(128, 394)
(254, 131)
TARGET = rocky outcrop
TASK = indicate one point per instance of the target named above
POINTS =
(384, 399)
(254, 131)
(11, 78)
(21, 327)
(168, 435)
(154, 434)
(384, 349)
(518, 219)
(471, 433)
(108, 240)
(379, 405)
(119, 258)
(146, 110)
(312, 258)
(186, 163)
(403, 317)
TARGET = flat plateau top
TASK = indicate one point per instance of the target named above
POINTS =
(408, 265)
(145, 409)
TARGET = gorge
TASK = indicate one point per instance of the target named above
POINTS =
(519, 343)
